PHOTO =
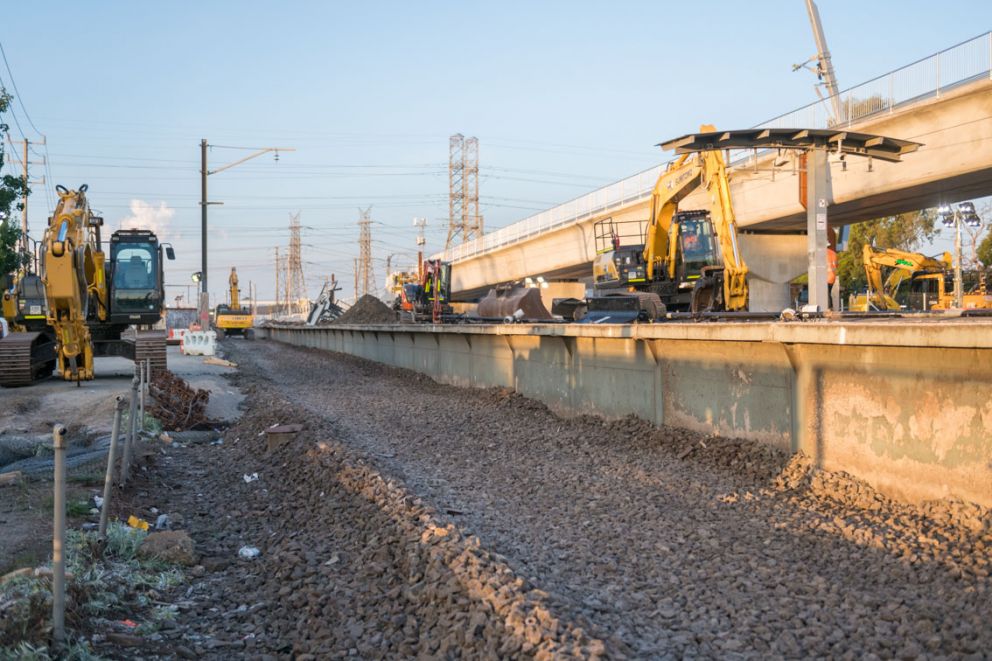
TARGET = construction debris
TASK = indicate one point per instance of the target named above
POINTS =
(10, 479)
(367, 310)
(213, 360)
(280, 434)
(176, 405)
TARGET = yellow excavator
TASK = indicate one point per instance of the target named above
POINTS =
(233, 319)
(930, 282)
(679, 259)
(93, 306)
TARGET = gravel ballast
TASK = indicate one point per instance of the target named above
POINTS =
(416, 518)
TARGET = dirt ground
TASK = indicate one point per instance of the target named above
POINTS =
(88, 412)
(410, 518)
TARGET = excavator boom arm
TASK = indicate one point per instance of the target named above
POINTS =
(682, 177)
(235, 293)
(903, 265)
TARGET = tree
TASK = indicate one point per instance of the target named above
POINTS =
(904, 232)
(12, 190)
(985, 250)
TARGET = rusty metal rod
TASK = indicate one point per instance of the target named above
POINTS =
(142, 382)
(132, 431)
(108, 480)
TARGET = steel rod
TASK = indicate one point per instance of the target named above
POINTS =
(108, 480)
(58, 540)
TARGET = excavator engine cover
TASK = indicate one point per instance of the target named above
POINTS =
(527, 300)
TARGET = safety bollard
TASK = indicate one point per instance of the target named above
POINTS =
(132, 431)
(58, 540)
(108, 480)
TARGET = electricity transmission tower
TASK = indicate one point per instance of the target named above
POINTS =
(464, 219)
(364, 277)
(296, 289)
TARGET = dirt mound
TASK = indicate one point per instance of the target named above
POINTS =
(367, 310)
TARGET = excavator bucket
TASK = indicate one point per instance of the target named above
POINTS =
(613, 309)
(520, 303)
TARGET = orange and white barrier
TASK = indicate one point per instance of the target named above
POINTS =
(176, 335)
(198, 343)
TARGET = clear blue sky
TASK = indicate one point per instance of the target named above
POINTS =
(563, 96)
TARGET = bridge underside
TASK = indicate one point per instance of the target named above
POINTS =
(954, 164)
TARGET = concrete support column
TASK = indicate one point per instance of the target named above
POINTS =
(817, 194)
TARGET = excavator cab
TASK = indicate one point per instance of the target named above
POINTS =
(697, 243)
(24, 303)
(928, 289)
(136, 277)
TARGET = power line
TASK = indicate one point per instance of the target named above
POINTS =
(13, 84)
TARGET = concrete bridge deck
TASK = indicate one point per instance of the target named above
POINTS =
(944, 102)
(906, 406)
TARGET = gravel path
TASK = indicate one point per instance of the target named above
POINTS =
(663, 542)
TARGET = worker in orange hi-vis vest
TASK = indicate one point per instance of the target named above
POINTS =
(831, 272)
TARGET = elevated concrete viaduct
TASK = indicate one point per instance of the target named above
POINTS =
(952, 119)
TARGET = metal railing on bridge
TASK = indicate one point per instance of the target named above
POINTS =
(926, 78)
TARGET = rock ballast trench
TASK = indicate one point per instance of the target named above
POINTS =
(638, 541)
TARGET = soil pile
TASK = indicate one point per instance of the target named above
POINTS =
(367, 310)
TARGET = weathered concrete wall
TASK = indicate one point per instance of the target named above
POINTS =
(905, 406)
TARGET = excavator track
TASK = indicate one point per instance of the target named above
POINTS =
(26, 358)
(151, 344)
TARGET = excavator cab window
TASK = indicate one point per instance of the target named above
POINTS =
(135, 279)
(698, 244)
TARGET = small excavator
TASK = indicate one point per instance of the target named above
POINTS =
(678, 260)
(429, 296)
(233, 318)
(930, 282)
(93, 306)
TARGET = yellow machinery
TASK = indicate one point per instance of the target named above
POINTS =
(234, 319)
(678, 260)
(395, 284)
(24, 303)
(930, 282)
(90, 303)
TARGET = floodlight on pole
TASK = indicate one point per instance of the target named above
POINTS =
(953, 217)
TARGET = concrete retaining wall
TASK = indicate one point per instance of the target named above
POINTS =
(905, 406)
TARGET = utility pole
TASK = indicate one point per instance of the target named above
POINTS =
(356, 279)
(24, 215)
(204, 173)
(203, 216)
(420, 224)
(278, 266)
(25, 162)
(824, 67)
